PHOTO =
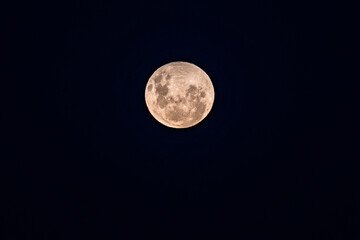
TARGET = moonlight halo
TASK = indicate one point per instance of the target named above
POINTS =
(179, 94)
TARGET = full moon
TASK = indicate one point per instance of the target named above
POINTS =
(179, 94)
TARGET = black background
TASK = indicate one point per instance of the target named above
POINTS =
(82, 158)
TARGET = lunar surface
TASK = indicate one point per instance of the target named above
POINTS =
(179, 94)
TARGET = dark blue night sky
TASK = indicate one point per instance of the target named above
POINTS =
(82, 157)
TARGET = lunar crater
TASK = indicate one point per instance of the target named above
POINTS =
(150, 87)
(162, 89)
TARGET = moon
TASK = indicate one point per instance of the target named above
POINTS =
(179, 94)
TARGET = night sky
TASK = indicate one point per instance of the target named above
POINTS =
(82, 157)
